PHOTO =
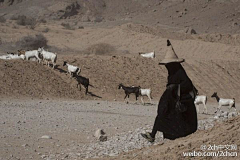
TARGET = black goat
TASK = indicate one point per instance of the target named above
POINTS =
(82, 81)
(129, 90)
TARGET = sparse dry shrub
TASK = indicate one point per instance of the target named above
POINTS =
(32, 42)
(15, 27)
(80, 27)
(43, 21)
(68, 26)
(14, 17)
(100, 49)
(2, 19)
(46, 30)
(70, 10)
(25, 21)
(97, 19)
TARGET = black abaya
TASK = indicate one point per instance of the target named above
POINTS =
(172, 123)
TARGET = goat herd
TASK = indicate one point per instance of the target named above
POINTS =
(202, 99)
(45, 57)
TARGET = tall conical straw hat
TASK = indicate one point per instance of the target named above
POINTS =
(171, 56)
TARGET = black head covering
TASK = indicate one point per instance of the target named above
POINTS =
(173, 68)
(177, 75)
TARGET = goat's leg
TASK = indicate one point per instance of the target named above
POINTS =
(205, 108)
(218, 109)
(86, 92)
(128, 98)
(136, 98)
(142, 100)
(39, 60)
(125, 97)
(234, 108)
(80, 87)
(53, 65)
(150, 99)
(197, 107)
(230, 107)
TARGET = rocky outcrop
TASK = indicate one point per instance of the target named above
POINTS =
(9, 2)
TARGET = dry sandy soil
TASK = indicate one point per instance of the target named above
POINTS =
(103, 38)
(72, 125)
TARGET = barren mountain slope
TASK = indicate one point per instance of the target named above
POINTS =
(211, 66)
(204, 16)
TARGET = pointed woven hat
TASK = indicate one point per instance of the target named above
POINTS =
(171, 56)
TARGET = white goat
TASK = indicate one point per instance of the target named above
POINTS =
(201, 99)
(72, 69)
(145, 92)
(17, 57)
(5, 57)
(224, 102)
(48, 56)
(148, 55)
(32, 54)
(12, 56)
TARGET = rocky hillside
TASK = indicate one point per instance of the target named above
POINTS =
(203, 16)
(225, 134)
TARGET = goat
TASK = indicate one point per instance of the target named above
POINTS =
(5, 57)
(145, 92)
(201, 99)
(224, 102)
(72, 69)
(147, 55)
(48, 56)
(82, 81)
(21, 52)
(12, 56)
(129, 90)
(32, 54)
(17, 57)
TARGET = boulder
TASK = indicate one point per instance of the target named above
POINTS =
(190, 30)
(100, 135)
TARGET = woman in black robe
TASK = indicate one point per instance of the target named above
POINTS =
(169, 120)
